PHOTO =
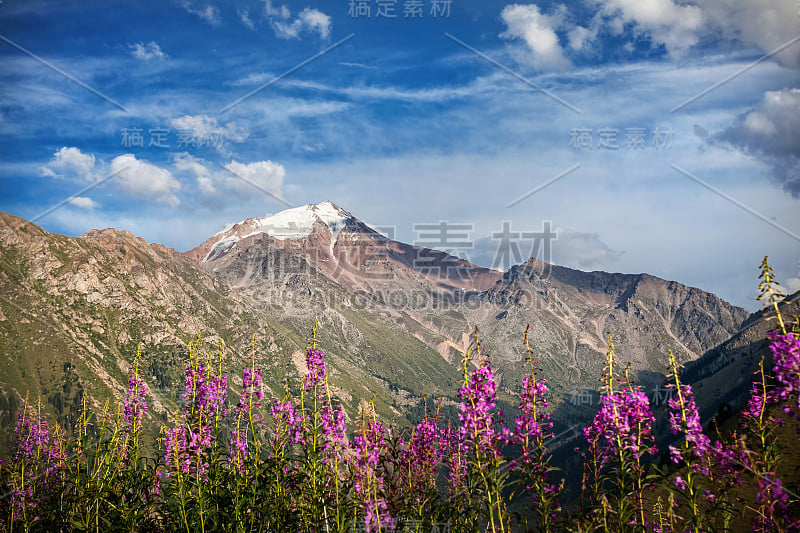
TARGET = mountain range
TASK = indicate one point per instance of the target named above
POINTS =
(394, 319)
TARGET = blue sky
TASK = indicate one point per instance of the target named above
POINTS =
(682, 139)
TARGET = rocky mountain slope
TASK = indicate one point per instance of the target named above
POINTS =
(438, 298)
(74, 309)
(394, 317)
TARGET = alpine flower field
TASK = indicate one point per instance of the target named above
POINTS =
(242, 464)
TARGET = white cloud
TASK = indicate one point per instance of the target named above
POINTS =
(244, 16)
(315, 20)
(138, 178)
(582, 38)
(147, 51)
(678, 25)
(83, 202)
(237, 180)
(538, 31)
(272, 11)
(208, 131)
(265, 175)
(766, 24)
(675, 25)
(209, 13)
(70, 162)
(198, 168)
(145, 180)
(309, 20)
(770, 131)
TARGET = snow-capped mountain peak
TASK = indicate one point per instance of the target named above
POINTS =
(295, 223)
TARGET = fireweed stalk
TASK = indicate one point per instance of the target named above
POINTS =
(417, 468)
(531, 429)
(287, 432)
(479, 429)
(711, 469)
(191, 446)
(762, 458)
(245, 437)
(620, 435)
(108, 471)
(458, 506)
(93, 470)
(108, 474)
(786, 356)
(368, 446)
(244, 446)
(695, 450)
(324, 437)
(130, 473)
(785, 348)
(134, 409)
(763, 461)
(38, 462)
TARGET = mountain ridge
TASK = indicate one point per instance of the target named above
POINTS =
(395, 318)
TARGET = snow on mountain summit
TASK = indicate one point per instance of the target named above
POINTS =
(298, 222)
(294, 223)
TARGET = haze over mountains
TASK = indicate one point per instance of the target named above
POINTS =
(395, 319)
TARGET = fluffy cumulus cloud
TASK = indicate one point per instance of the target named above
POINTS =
(769, 131)
(235, 180)
(264, 175)
(83, 202)
(766, 24)
(70, 162)
(549, 35)
(207, 131)
(137, 178)
(197, 168)
(147, 51)
(528, 23)
(677, 25)
(309, 20)
(145, 180)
